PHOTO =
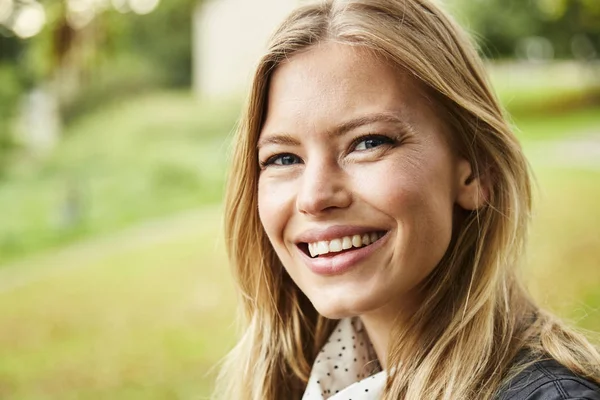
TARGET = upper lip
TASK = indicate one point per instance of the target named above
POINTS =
(334, 232)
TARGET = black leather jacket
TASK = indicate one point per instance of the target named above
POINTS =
(548, 380)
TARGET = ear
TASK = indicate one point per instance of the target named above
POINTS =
(473, 190)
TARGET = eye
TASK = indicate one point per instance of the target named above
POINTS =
(371, 141)
(281, 160)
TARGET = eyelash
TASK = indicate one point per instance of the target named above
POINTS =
(386, 140)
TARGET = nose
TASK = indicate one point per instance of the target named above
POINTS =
(323, 188)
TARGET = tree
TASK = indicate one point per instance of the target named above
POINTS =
(571, 26)
(10, 90)
(107, 52)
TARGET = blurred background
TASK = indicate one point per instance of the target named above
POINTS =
(115, 125)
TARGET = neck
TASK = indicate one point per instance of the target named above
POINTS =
(379, 325)
(379, 330)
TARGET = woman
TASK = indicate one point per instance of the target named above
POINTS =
(376, 214)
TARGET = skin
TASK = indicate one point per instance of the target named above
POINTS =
(406, 182)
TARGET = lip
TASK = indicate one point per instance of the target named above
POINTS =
(343, 262)
(335, 232)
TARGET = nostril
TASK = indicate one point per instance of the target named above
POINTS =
(322, 192)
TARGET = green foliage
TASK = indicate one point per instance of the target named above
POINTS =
(139, 53)
(10, 91)
(138, 158)
(164, 37)
(123, 77)
(499, 25)
(121, 53)
(10, 48)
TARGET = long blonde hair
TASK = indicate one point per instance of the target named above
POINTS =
(477, 318)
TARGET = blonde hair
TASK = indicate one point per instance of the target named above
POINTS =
(477, 319)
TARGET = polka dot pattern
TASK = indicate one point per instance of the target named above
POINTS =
(346, 367)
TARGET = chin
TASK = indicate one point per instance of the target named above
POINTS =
(341, 308)
(333, 313)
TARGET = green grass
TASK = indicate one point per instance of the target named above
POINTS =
(142, 316)
(558, 125)
(551, 101)
(564, 256)
(132, 160)
(528, 89)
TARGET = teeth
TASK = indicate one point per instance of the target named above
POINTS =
(366, 239)
(345, 243)
(335, 245)
(312, 249)
(322, 247)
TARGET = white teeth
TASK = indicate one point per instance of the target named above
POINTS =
(335, 245)
(312, 249)
(322, 248)
(345, 243)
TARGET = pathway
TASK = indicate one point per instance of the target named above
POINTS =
(578, 152)
(55, 262)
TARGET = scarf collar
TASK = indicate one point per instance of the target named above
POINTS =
(346, 367)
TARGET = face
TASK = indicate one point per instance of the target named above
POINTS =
(358, 183)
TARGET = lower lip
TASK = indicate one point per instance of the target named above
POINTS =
(343, 262)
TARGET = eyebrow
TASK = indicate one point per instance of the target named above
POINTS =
(287, 139)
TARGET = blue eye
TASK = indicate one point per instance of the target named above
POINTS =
(371, 142)
(282, 160)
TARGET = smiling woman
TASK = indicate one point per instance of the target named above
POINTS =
(369, 161)
(377, 211)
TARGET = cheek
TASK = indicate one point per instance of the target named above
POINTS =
(273, 209)
(275, 212)
(395, 188)
(427, 211)
(265, 209)
(418, 196)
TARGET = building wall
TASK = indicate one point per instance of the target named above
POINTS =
(229, 37)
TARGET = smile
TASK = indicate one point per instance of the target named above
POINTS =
(323, 247)
(337, 250)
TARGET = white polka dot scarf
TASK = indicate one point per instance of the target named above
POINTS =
(347, 367)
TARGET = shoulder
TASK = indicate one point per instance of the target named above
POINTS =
(548, 380)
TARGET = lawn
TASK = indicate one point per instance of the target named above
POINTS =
(563, 267)
(140, 316)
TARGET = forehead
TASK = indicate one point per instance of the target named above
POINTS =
(330, 83)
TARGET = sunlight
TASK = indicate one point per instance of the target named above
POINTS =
(143, 6)
(29, 20)
(6, 9)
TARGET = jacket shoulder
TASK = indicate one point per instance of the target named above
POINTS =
(548, 380)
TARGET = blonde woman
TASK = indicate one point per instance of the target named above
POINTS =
(376, 214)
